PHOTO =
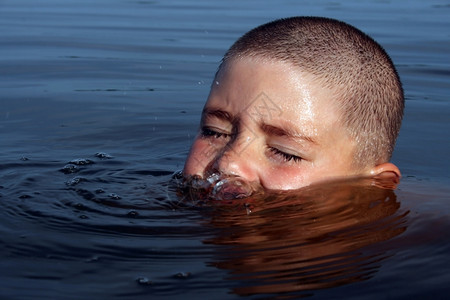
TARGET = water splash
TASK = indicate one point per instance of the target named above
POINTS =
(216, 186)
(231, 188)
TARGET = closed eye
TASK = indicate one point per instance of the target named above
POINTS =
(285, 156)
(208, 132)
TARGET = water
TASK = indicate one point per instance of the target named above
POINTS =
(99, 103)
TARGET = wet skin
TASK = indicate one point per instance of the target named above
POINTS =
(271, 124)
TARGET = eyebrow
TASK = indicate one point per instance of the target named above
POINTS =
(220, 114)
(286, 131)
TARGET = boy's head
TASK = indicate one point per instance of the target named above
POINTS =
(299, 100)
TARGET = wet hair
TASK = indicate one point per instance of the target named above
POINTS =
(369, 94)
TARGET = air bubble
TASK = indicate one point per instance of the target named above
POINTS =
(93, 258)
(231, 188)
(114, 196)
(69, 169)
(133, 214)
(143, 281)
(216, 186)
(182, 275)
(103, 155)
(75, 181)
(81, 161)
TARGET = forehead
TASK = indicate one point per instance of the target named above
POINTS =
(274, 89)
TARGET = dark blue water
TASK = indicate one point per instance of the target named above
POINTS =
(99, 103)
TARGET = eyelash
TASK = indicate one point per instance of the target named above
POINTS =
(286, 157)
(207, 132)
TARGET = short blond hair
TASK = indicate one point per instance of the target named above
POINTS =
(343, 58)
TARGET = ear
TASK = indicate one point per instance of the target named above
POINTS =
(386, 172)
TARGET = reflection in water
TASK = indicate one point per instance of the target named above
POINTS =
(318, 237)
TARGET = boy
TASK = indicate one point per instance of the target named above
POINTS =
(298, 101)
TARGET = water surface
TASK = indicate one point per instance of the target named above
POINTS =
(99, 103)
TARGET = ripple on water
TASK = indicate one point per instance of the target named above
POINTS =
(118, 215)
(101, 193)
(107, 212)
(319, 237)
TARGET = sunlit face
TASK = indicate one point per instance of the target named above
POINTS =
(269, 123)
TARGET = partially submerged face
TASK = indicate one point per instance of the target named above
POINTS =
(269, 124)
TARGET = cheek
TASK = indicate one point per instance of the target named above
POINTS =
(200, 156)
(286, 178)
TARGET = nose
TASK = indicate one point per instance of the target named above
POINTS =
(238, 158)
